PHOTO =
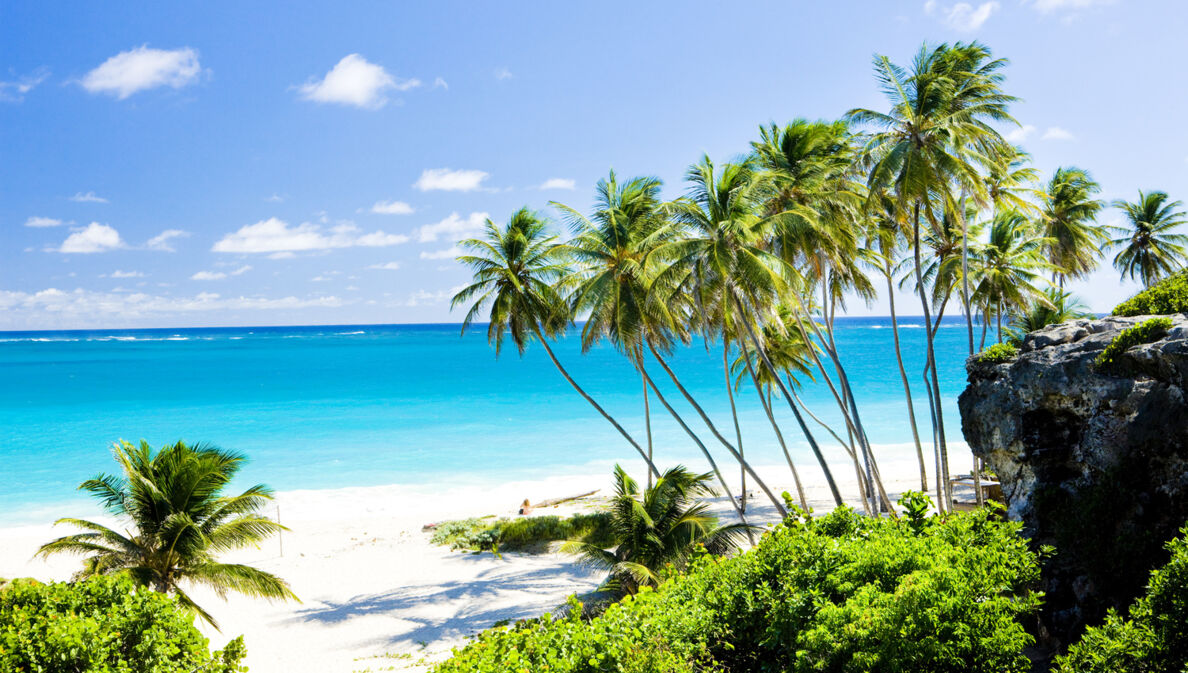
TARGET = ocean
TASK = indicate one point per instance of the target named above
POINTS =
(361, 405)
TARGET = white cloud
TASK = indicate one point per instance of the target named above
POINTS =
(453, 227)
(89, 197)
(125, 274)
(1057, 133)
(143, 68)
(208, 275)
(276, 236)
(355, 81)
(439, 83)
(448, 180)
(502, 74)
(1049, 6)
(557, 183)
(963, 16)
(282, 255)
(448, 253)
(94, 237)
(161, 240)
(275, 198)
(42, 222)
(425, 297)
(387, 266)
(392, 208)
(14, 92)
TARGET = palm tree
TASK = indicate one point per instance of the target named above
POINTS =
(514, 267)
(178, 521)
(1055, 307)
(1010, 264)
(1068, 217)
(1149, 249)
(665, 525)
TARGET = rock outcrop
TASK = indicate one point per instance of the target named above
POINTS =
(1094, 463)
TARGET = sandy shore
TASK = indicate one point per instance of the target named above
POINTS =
(376, 595)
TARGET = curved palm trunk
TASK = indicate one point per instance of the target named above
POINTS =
(557, 363)
(766, 402)
(940, 491)
(837, 498)
(965, 275)
(907, 389)
(647, 425)
(734, 414)
(742, 516)
(938, 414)
(779, 505)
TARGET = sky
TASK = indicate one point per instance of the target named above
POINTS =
(268, 163)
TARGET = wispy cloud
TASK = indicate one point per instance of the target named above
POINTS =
(1018, 135)
(448, 253)
(274, 235)
(275, 198)
(220, 275)
(14, 91)
(355, 81)
(453, 228)
(92, 238)
(89, 197)
(557, 183)
(124, 274)
(143, 68)
(503, 73)
(39, 222)
(962, 16)
(427, 297)
(1049, 6)
(448, 180)
(1057, 133)
(162, 240)
(392, 208)
(439, 83)
(387, 266)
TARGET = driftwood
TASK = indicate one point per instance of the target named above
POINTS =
(557, 501)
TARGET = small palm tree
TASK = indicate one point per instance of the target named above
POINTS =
(178, 522)
(662, 526)
(1149, 248)
(1055, 307)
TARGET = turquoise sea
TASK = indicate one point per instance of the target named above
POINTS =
(357, 405)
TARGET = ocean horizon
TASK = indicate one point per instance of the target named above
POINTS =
(334, 406)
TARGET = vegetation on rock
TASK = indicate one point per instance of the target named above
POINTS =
(1169, 295)
(1000, 352)
(1144, 332)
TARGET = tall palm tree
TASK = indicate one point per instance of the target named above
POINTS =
(178, 521)
(1068, 217)
(1149, 248)
(664, 525)
(1011, 263)
(514, 268)
(939, 122)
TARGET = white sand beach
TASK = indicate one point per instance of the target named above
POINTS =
(376, 595)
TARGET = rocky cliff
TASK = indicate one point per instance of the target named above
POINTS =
(1093, 462)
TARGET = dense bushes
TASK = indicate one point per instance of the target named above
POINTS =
(1169, 295)
(1001, 352)
(103, 624)
(839, 593)
(1144, 332)
(1155, 637)
(524, 534)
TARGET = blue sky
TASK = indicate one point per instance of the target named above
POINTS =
(231, 163)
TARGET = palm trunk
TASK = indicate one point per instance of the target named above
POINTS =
(837, 498)
(734, 414)
(647, 424)
(766, 402)
(965, 274)
(779, 505)
(907, 389)
(544, 342)
(937, 413)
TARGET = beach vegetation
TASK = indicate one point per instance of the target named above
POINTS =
(839, 592)
(1169, 295)
(104, 624)
(1147, 331)
(656, 530)
(523, 534)
(177, 521)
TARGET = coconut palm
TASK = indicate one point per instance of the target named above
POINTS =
(1149, 247)
(176, 522)
(1055, 307)
(1011, 262)
(514, 268)
(1068, 223)
(664, 525)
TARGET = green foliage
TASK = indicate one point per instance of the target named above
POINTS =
(1169, 295)
(523, 534)
(841, 592)
(1001, 352)
(103, 624)
(1142, 333)
(915, 510)
(1155, 637)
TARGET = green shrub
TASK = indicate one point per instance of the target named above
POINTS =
(1169, 295)
(531, 533)
(842, 592)
(1155, 637)
(1001, 352)
(1144, 332)
(103, 624)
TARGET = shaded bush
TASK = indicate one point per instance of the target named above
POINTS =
(1001, 352)
(1154, 639)
(838, 593)
(103, 624)
(1169, 295)
(531, 533)
(1144, 332)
